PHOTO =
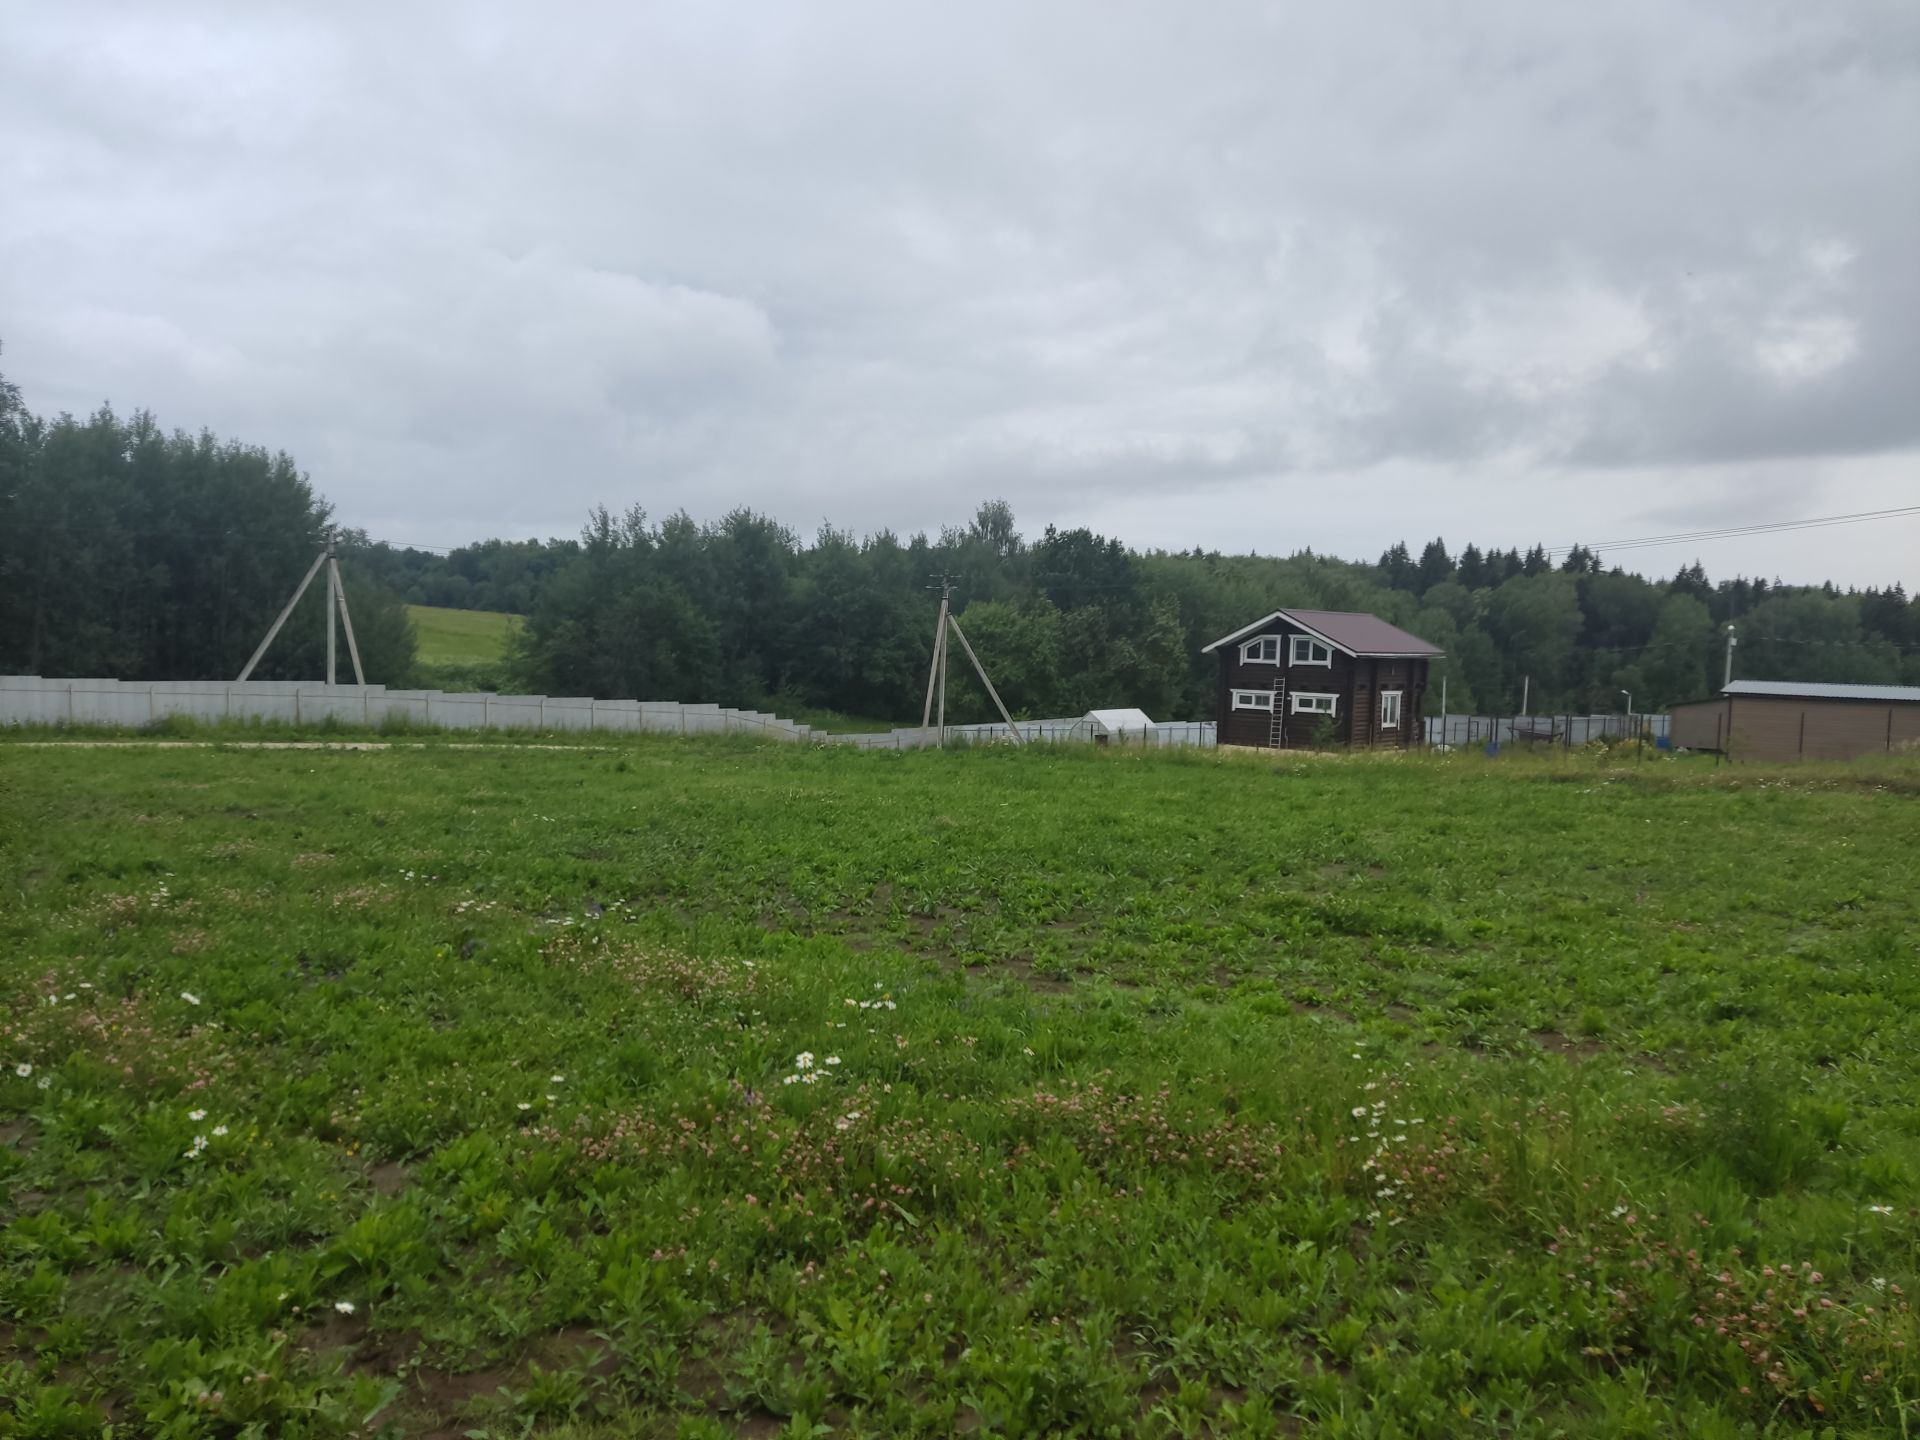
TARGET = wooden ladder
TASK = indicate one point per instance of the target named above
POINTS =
(1277, 726)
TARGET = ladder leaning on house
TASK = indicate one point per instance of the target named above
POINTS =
(1277, 726)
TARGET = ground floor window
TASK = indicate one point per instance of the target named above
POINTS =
(1389, 709)
(1305, 702)
(1253, 700)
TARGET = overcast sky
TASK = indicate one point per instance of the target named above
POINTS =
(1247, 276)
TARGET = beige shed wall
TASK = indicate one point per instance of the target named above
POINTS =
(1767, 728)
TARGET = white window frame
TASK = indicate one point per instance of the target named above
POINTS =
(1303, 648)
(1253, 652)
(1296, 707)
(1253, 700)
(1390, 705)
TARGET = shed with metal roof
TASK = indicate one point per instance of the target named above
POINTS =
(1773, 720)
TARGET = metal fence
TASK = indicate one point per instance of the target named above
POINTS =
(1568, 730)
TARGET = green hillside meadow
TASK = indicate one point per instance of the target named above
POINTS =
(460, 637)
(694, 1089)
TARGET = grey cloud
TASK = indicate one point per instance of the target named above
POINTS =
(482, 266)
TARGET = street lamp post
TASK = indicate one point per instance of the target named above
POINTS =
(1629, 695)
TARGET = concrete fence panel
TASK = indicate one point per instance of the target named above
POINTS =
(458, 711)
(34, 700)
(569, 712)
(662, 717)
(616, 715)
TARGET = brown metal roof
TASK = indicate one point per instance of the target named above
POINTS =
(1362, 633)
(1353, 631)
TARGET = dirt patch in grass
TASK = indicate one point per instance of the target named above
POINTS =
(336, 1332)
(391, 1178)
(577, 1347)
(1580, 1048)
(1041, 982)
(447, 1392)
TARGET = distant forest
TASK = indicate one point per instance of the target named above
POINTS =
(129, 551)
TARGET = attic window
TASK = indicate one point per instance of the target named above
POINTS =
(1308, 651)
(1261, 650)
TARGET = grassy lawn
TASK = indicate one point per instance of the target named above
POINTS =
(460, 637)
(701, 1089)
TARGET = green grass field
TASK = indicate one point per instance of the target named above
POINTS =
(699, 1089)
(460, 637)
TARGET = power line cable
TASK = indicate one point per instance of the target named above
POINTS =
(1730, 532)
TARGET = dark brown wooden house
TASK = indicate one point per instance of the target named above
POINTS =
(1300, 679)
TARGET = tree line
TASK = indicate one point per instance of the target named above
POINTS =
(744, 611)
(130, 551)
